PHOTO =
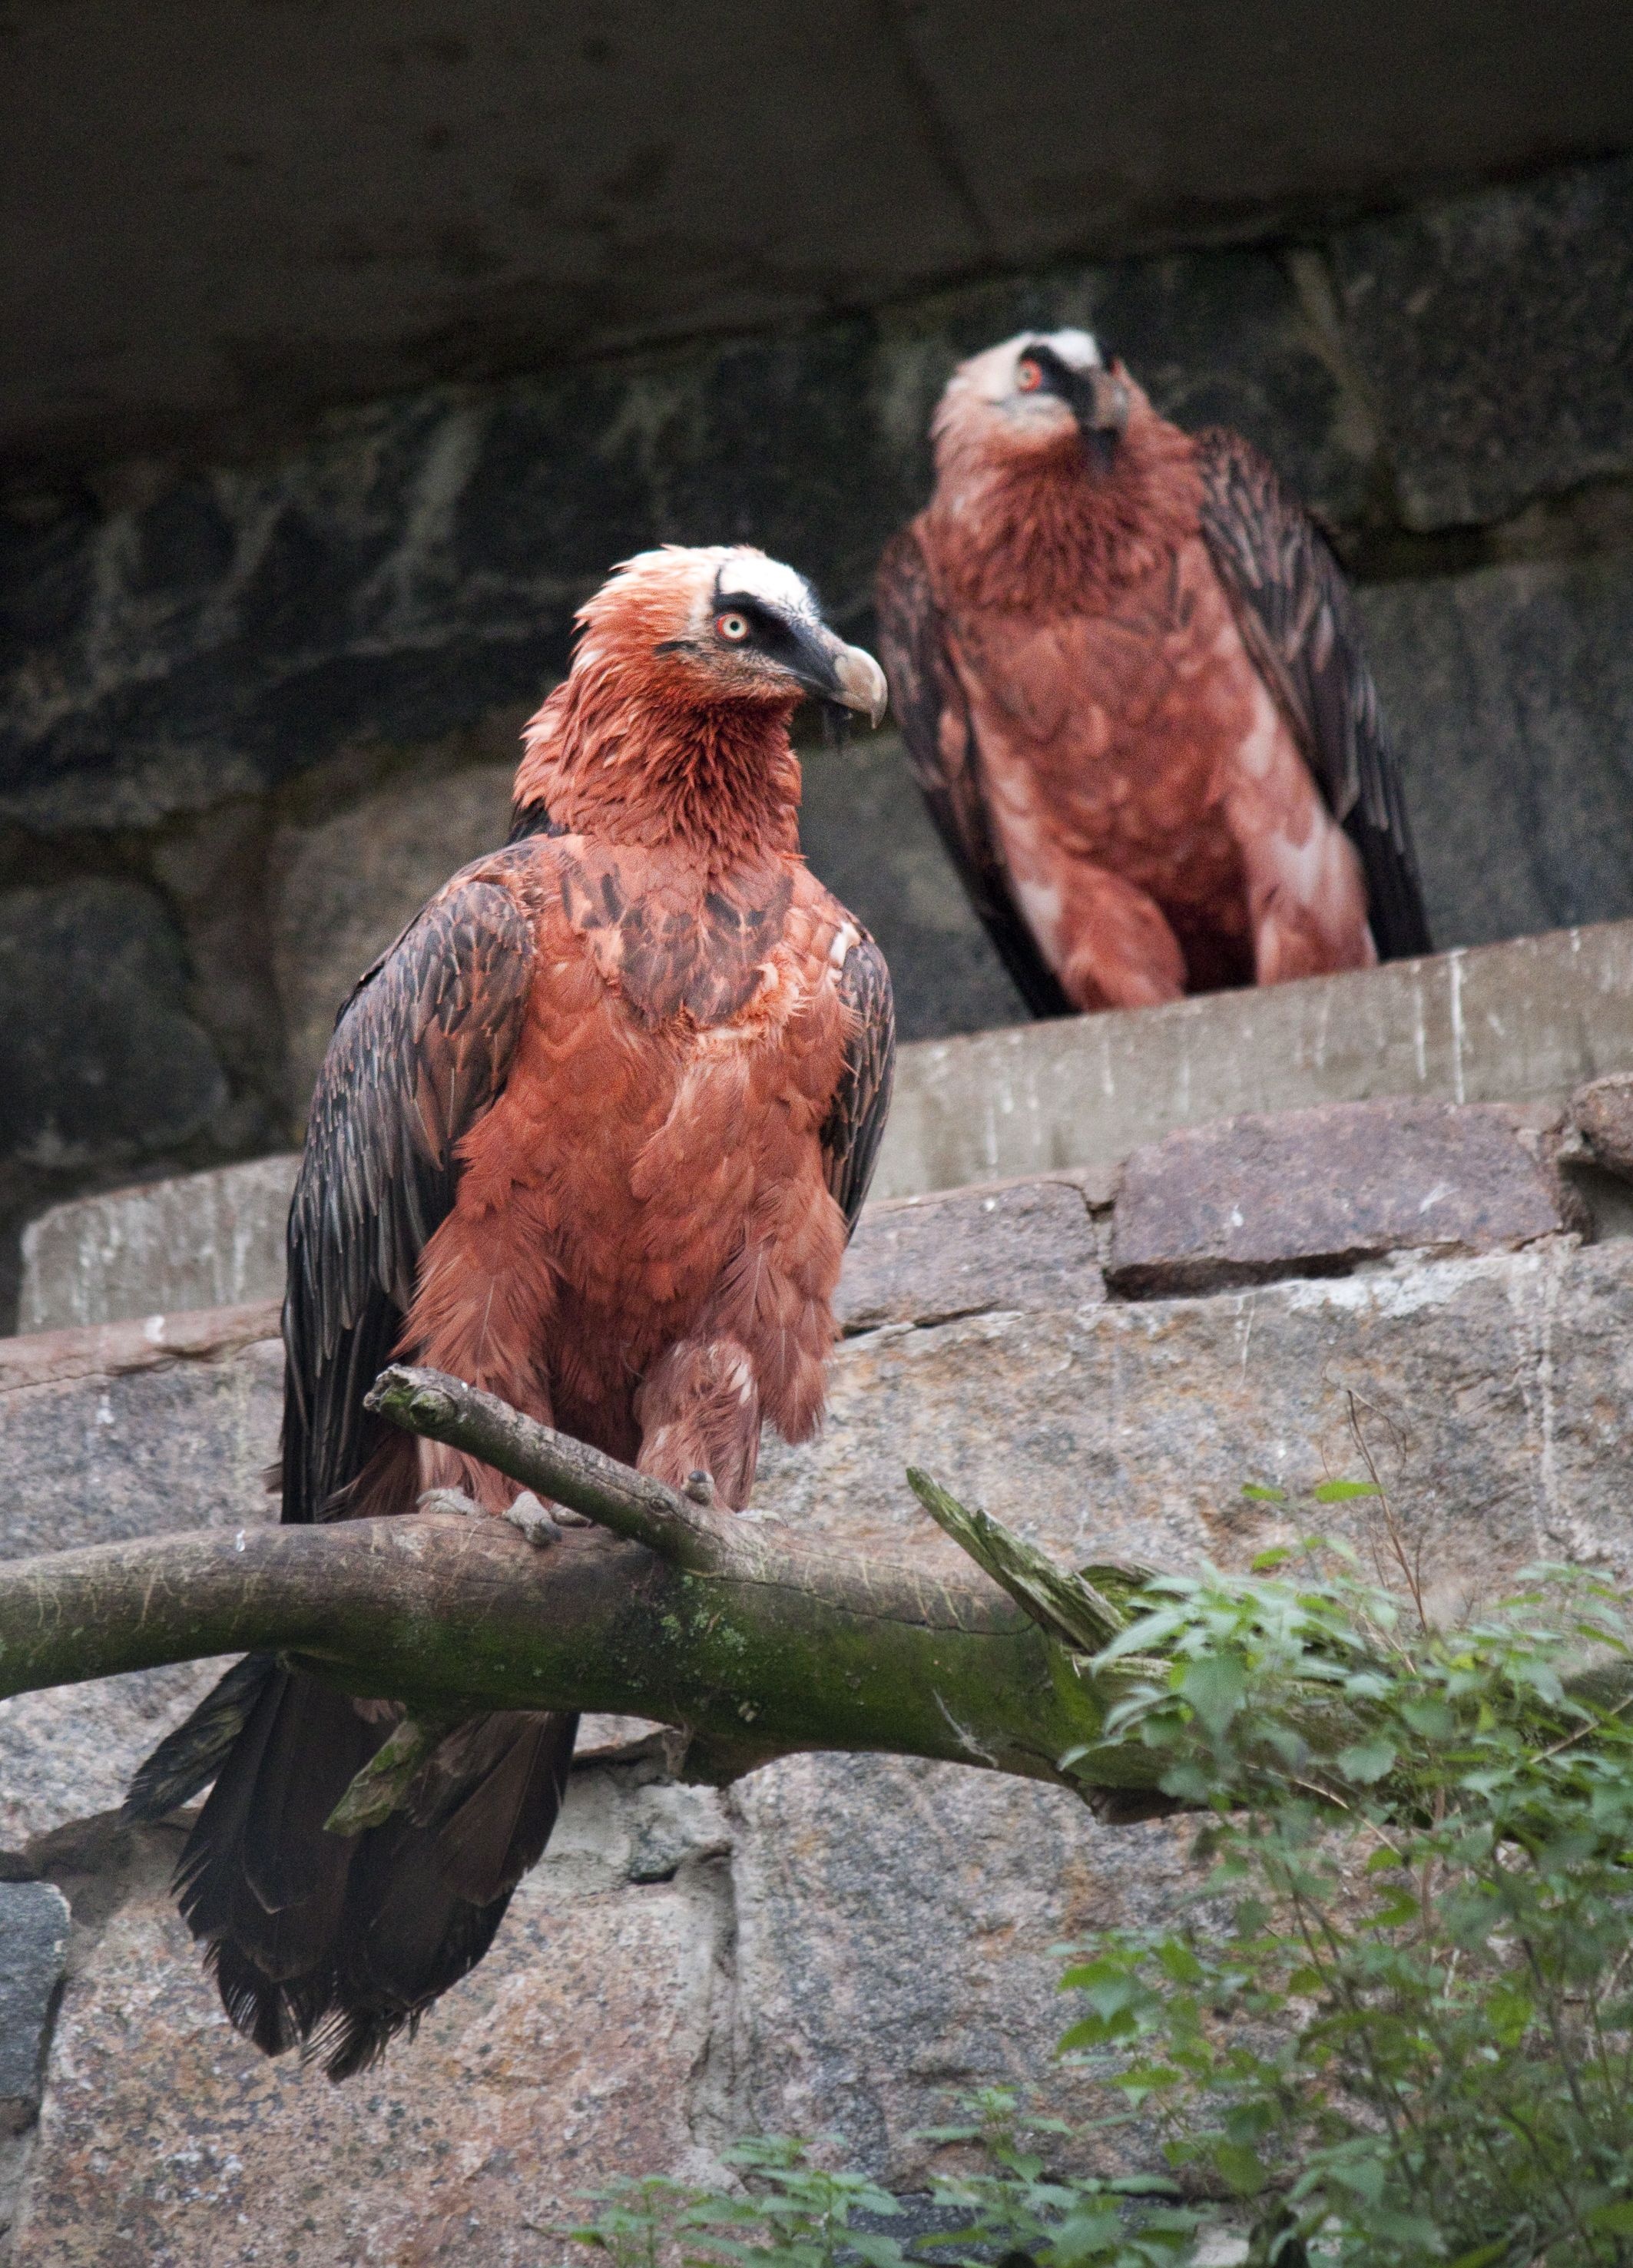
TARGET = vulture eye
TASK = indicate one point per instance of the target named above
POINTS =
(733, 628)
(1028, 376)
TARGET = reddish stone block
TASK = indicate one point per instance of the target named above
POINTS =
(1312, 1192)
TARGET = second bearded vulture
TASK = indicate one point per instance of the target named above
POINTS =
(1130, 680)
(592, 1135)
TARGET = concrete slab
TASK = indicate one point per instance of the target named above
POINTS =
(1519, 1022)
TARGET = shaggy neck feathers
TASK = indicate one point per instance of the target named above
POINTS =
(629, 749)
(1039, 529)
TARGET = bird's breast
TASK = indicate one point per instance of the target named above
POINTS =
(671, 944)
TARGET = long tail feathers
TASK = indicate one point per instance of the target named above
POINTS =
(338, 1942)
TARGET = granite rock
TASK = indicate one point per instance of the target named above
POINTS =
(570, 2055)
(1509, 692)
(1495, 1393)
(1603, 1112)
(1315, 1192)
(1495, 333)
(33, 1948)
(897, 1928)
(99, 959)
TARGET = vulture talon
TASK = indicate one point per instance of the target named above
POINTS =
(531, 1518)
(449, 1500)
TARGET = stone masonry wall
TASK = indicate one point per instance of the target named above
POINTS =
(836, 1943)
(249, 715)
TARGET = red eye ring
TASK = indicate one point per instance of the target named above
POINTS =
(733, 628)
(1028, 376)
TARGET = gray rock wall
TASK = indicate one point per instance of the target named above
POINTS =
(248, 714)
(838, 1944)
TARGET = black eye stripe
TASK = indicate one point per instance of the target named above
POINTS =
(768, 632)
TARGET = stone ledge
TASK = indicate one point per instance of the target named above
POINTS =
(961, 1252)
(1519, 1022)
(1315, 1192)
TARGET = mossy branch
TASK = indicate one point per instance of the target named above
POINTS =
(748, 1640)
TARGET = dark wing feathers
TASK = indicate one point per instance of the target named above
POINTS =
(856, 1122)
(340, 1941)
(935, 726)
(420, 1052)
(1299, 622)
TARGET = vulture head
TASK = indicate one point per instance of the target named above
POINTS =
(673, 719)
(1031, 397)
(723, 624)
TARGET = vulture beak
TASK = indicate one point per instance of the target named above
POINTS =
(1097, 398)
(845, 675)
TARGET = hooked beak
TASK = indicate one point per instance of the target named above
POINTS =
(1098, 398)
(847, 675)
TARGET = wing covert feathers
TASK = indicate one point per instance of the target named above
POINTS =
(1299, 622)
(941, 742)
(856, 1122)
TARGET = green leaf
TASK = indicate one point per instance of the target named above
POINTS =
(1215, 1687)
(1366, 1762)
(1241, 2167)
(1261, 1495)
(1343, 1492)
(1614, 2219)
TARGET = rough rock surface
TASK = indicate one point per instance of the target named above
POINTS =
(897, 1927)
(1603, 1111)
(99, 959)
(1510, 692)
(1494, 1392)
(1314, 1192)
(133, 1430)
(839, 1943)
(33, 1945)
(570, 2054)
(210, 1239)
(1023, 1244)
(1496, 334)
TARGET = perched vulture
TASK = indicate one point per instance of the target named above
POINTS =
(1130, 680)
(592, 1135)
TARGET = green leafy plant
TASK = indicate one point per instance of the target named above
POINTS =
(1401, 2009)
(1395, 2019)
(792, 2212)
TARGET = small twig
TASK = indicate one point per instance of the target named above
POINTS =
(1068, 1606)
(380, 1788)
(1411, 1569)
(680, 1528)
